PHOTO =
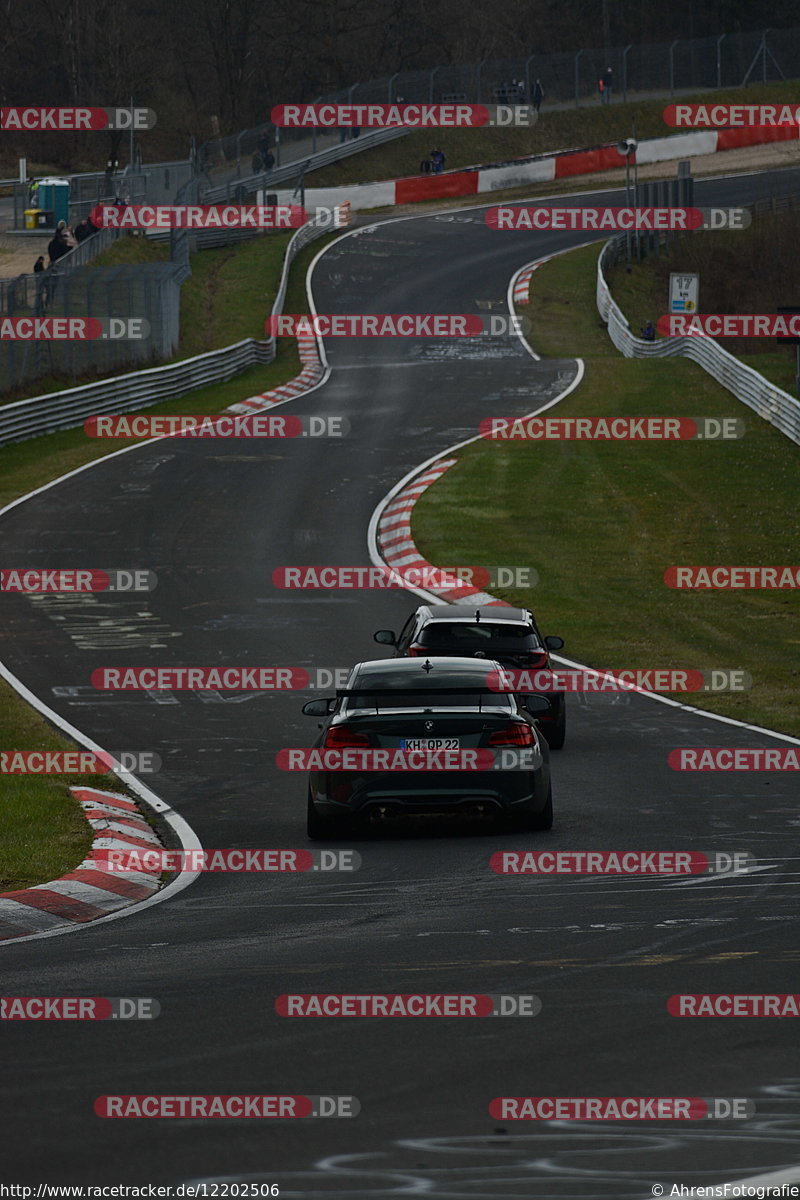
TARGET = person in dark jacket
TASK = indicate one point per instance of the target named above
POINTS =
(608, 85)
(649, 332)
(538, 94)
(438, 160)
(57, 248)
(39, 264)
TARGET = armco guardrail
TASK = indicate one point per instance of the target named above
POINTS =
(311, 162)
(140, 389)
(765, 399)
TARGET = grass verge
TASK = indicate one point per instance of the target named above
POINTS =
(601, 521)
(44, 832)
(556, 129)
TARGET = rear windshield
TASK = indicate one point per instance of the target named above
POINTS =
(460, 637)
(393, 691)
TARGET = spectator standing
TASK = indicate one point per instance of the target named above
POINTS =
(438, 160)
(608, 85)
(269, 161)
(39, 264)
(262, 145)
(538, 94)
(84, 230)
(57, 247)
(649, 332)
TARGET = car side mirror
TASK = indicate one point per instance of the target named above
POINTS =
(537, 706)
(319, 708)
(554, 642)
(385, 637)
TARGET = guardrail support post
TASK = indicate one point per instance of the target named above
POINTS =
(431, 78)
(625, 71)
(720, 40)
(672, 67)
(577, 76)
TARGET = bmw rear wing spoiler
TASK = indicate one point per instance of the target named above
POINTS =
(479, 689)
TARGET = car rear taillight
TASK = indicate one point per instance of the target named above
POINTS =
(416, 651)
(513, 735)
(339, 737)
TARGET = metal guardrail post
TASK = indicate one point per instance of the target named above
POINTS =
(625, 71)
(392, 78)
(672, 66)
(431, 78)
(478, 71)
(720, 40)
(577, 76)
(528, 62)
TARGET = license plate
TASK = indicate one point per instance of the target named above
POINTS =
(429, 744)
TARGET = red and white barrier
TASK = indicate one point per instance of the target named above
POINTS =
(478, 181)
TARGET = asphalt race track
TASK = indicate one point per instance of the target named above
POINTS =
(213, 519)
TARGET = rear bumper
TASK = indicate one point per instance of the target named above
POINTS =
(353, 795)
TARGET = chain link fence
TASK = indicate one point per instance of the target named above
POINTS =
(729, 60)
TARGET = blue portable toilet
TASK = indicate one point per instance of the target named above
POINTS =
(53, 198)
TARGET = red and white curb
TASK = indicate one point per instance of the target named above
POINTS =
(310, 375)
(398, 549)
(90, 891)
(522, 281)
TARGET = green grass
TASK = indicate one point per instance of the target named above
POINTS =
(44, 830)
(556, 129)
(600, 522)
(44, 833)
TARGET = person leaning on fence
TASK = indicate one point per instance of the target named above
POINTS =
(649, 332)
(438, 160)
